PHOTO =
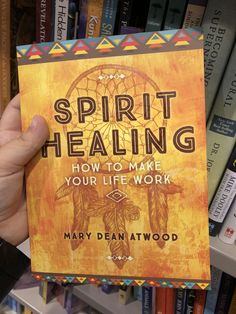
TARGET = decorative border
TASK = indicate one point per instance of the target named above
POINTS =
(164, 283)
(169, 40)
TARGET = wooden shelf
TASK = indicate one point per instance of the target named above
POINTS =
(223, 256)
(106, 303)
(30, 298)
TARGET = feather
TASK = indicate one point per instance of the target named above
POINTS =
(115, 224)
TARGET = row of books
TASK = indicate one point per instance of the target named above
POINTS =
(9, 303)
(220, 299)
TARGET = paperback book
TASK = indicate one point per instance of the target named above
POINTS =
(118, 193)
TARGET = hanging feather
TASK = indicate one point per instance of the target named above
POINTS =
(115, 224)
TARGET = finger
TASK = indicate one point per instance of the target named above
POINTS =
(18, 152)
(11, 116)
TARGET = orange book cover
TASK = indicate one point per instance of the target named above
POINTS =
(118, 193)
(94, 18)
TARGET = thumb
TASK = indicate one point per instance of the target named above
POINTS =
(17, 153)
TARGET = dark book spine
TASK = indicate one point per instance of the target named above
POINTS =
(225, 294)
(224, 196)
(199, 303)
(43, 20)
(125, 13)
(175, 14)
(83, 18)
(147, 300)
(73, 13)
(109, 17)
(156, 15)
(180, 303)
(190, 301)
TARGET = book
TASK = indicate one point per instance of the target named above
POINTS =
(109, 17)
(212, 295)
(156, 15)
(232, 308)
(124, 14)
(5, 78)
(165, 300)
(44, 21)
(174, 14)
(73, 19)
(219, 28)
(94, 16)
(110, 197)
(221, 128)
(199, 302)
(194, 13)
(190, 301)
(147, 300)
(83, 8)
(61, 11)
(225, 294)
(181, 301)
(224, 196)
(228, 230)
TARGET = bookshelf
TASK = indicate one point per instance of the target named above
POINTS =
(223, 256)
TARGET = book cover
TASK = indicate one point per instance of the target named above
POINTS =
(194, 13)
(156, 15)
(108, 17)
(228, 230)
(219, 28)
(94, 18)
(224, 196)
(221, 127)
(175, 14)
(44, 21)
(115, 185)
(5, 54)
(212, 295)
(124, 14)
(225, 294)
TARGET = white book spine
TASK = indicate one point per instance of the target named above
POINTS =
(228, 231)
(61, 19)
(219, 28)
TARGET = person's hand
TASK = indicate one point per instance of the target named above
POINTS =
(16, 150)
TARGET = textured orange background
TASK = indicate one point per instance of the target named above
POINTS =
(188, 257)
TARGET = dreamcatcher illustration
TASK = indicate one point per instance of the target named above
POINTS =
(118, 210)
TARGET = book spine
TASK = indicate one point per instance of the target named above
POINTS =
(109, 17)
(224, 196)
(194, 13)
(219, 25)
(199, 303)
(161, 300)
(181, 299)
(232, 308)
(125, 13)
(61, 20)
(190, 301)
(43, 20)
(5, 79)
(156, 15)
(228, 230)
(73, 13)
(94, 18)
(170, 297)
(138, 293)
(225, 294)
(147, 300)
(212, 294)
(83, 18)
(174, 14)
(221, 127)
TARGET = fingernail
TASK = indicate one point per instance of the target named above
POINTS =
(34, 122)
